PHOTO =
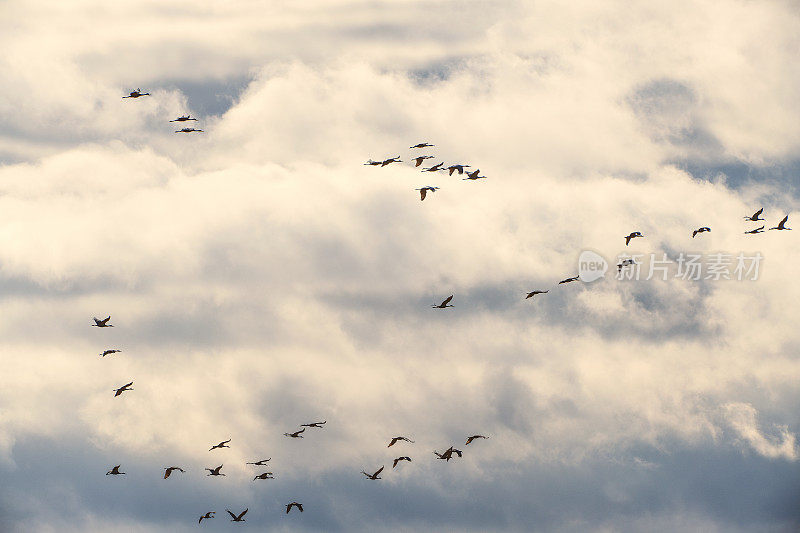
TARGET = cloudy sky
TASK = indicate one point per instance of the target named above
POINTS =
(259, 276)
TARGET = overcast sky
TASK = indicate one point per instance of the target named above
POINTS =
(259, 276)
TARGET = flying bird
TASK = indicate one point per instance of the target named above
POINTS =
(534, 293)
(109, 352)
(296, 434)
(391, 160)
(314, 424)
(188, 130)
(423, 191)
(122, 389)
(472, 438)
(624, 263)
(239, 518)
(569, 280)
(754, 216)
(420, 159)
(459, 168)
(435, 168)
(372, 163)
(169, 470)
(394, 463)
(209, 514)
(700, 230)
(223, 444)
(262, 462)
(782, 224)
(757, 230)
(295, 504)
(102, 323)
(442, 306)
(115, 471)
(632, 236)
(183, 118)
(395, 439)
(136, 94)
(214, 471)
(474, 175)
(420, 145)
(375, 475)
(265, 475)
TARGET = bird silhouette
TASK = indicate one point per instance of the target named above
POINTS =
(754, 231)
(214, 471)
(372, 163)
(314, 424)
(265, 475)
(395, 439)
(632, 236)
(472, 438)
(534, 293)
(115, 471)
(122, 389)
(136, 94)
(420, 145)
(420, 159)
(169, 470)
(188, 130)
(754, 216)
(474, 175)
(624, 263)
(222, 444)
(435, 168)
(782, 224)
(375, 475)
(183, 118)
(109, 352)
(102, 323)
(394, 463)
(391, 160)
(209, 514)
(239, 518)
(700, 230)
(459, 168)
(296, 434)
(423, 191)
(294, 504)
(262, 462)
(569, 280)
(442, 306)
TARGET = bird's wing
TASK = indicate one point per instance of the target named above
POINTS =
(230, 513)
(757, 213)
(447, 300)
(243, 513)
(422, 193)
(379, 471)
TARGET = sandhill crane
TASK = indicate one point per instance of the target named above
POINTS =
(136, 94)
(435, 168)
(235, 518)
(700, 230)
(440, 455)
(472, 438)
(102, 323)
(782, 224)
(632, 236)
(420, 145)
(296, 434)
(420, 159)
(569, 280)
(214, 471)
(474, 175)
(534, 293)
(448, 454)
(109, 352)
(223, 444)
(442, 306)
(262, 462)
(754, 216)
(122, 389)
(183, 118)
(395, 439)
(625, 262)
(459, 168)
(265, 475)
(188, 130)
(375, 475)
(423, 191)
(372, 163)
(209, 514)
(754, 231)
(294, 504)
(115, 471)
(314, 424)
(391, 160)
(394, 463)
(170, 469)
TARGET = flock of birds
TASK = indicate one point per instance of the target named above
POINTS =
(448, 453)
